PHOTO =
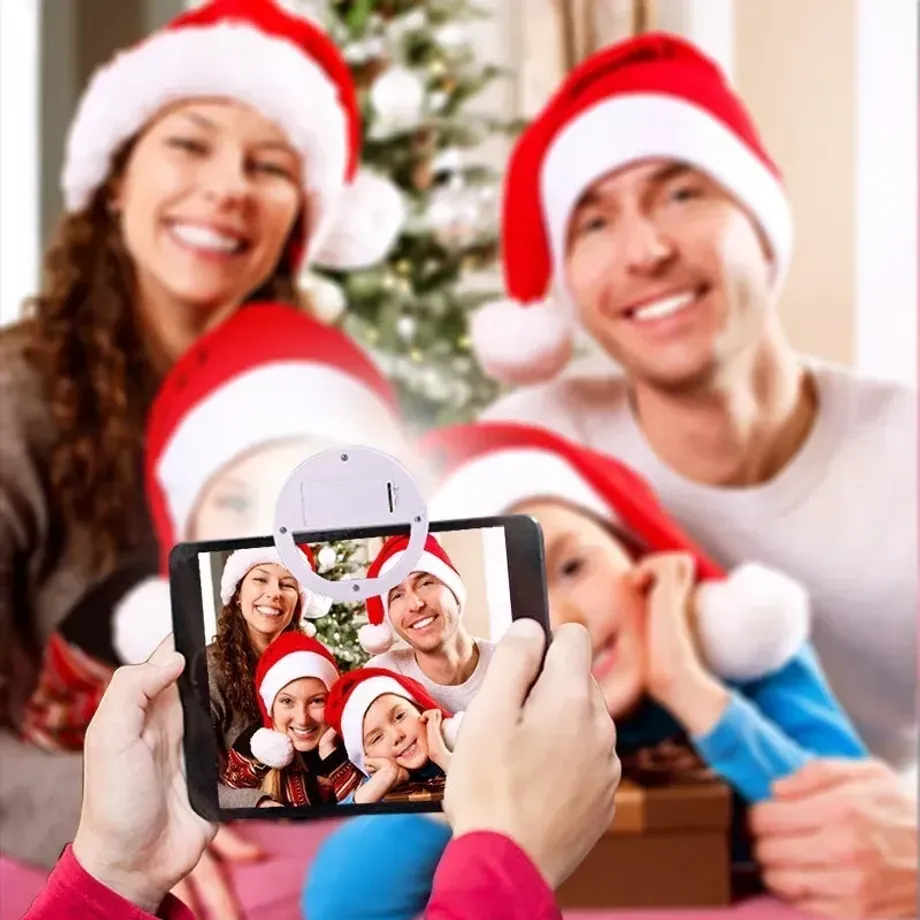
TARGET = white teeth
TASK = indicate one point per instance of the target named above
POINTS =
(667, 306)
(205, 238)
(268, 611)
(421, 624)
(302, 732)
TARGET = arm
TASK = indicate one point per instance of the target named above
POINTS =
(771, 728)
(486, 876)
(73, 894)
(342, 773)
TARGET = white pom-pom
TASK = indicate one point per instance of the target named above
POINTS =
(521, 344)
(450, 729)
(316, 606)
(308, 628)
(375, 640)
(751, 623)
(142, 620)
(368, 217)
(272, 748)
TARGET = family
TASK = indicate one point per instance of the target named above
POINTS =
(292, 730)
(731, 522)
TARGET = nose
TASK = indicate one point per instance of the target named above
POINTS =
(645, 249)
(302, 715)
(563, 611)
(225, 178)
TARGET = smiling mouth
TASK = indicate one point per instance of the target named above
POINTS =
(206, 239)
(423, 623)
(605, 658)
(664, 307)
(304, 734)
(273, 612)
(409, 751)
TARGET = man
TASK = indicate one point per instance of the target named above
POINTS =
(425, 610)
(642, 206)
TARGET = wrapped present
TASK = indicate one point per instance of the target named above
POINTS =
(428, 791)
(669, 846)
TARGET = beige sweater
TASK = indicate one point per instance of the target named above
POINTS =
(43, 576)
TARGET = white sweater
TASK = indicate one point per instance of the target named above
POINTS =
(841, 517)
(454, 698)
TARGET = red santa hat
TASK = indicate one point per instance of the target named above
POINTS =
(352, 695)
(267, 373)
(653, 96)
(750, 620)
(376, 636)
(290, 657)
(280, 64)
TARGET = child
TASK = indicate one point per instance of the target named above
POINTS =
(238, 412)
(682, 651)
(293, 757)
(394, 733)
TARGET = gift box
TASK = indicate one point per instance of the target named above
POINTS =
(669, 846)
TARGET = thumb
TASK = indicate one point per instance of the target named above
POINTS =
(817, 775)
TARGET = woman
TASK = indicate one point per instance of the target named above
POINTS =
(292, 757)
(204, 168)
(261, 602)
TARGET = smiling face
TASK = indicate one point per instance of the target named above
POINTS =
(669, 274)
(269, 595)
(392, 731)
(591, 581)
(423, 611)
(299, 711)
(209, 197)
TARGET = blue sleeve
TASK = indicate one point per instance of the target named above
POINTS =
(379, 866)
(772, 726)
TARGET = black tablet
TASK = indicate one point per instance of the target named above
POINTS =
(351, 708)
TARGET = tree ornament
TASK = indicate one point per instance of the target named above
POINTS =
(397, 97)
(326, 299)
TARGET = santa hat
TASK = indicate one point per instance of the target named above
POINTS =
(280, 64)
(242, 561)
(352, 695)
(648, 97)
(750, 620)
(290, 657)
(268, 373)
(376, 636)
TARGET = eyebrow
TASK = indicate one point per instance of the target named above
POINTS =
(202, 122)
(663, 174)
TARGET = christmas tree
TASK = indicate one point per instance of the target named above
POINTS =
(417, 72)
(338, 630)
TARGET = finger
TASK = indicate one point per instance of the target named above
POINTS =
(163, 650)
(796, 851)
(803, 884)
(232, 847)
(126, 701)
(822, 774)
(515, 663)
(213, 891)
(567, 669)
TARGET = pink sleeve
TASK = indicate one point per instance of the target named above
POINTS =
(486, 876)
(72, 894)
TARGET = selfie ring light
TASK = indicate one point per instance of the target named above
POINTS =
(349, 488)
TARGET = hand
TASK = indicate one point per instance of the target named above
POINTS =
(438, 753)
(138, 833)
(385, 774)
(553, 769)
(269, 803)
(675, 674)
(328, 743)
(840, 838)
(206, 887)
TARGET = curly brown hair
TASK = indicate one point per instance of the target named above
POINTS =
(236, 659)
(93, 359)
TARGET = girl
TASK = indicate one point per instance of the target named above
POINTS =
(394, 733)
(205, 167)
(686, 656)
(293, 758)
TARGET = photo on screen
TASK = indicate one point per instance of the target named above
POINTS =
(345, 707)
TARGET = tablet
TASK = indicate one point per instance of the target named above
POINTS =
(294, 717)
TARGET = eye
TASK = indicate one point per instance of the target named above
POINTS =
(684, 192)
(591, 223)
(289, 587)
(374, 739)
(189, 145)
(238, 504)
(285, 701)
(572, 567)
(273, 169)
